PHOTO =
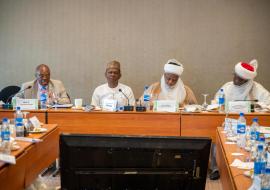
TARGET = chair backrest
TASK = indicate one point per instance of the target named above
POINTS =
(7, 92)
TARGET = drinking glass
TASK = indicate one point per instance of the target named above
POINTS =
(55, 98)
(153, 99)
(204, 105)
(26, 121)
(229, 129)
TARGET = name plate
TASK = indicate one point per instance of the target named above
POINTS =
(238, 106)
(8, 158)
(230, 122)
(35, 122)
(27, 104)
(166, 106)
(109, 105)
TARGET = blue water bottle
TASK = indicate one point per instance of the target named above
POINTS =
(221, 101)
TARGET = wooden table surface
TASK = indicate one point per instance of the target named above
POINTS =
(129, 123)
(205, 124)
(31, 159)
(40, 114)
(138, 123)
(231, 177)
(143, 123)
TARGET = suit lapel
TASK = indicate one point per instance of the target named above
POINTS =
(35, 90)
(51, 87)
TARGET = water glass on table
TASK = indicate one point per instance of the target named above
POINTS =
(55, 98)
(78, 102)
(204, 105)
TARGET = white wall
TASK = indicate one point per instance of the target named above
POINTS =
(76, 38)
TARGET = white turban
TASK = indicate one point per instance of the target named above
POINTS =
(174, 67)
(247, 70)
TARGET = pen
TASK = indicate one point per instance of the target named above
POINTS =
(247, 100)
(26, 139)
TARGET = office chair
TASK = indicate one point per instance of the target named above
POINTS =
(7, 93)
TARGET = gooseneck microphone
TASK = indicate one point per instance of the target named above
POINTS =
(120, 90)
(12, 95)
(128, 107)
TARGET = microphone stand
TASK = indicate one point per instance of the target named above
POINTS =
(140, 108)
(128, 107)
(9, 105)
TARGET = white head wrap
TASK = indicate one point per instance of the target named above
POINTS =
(247, 70)
(174, 67)
(178, 91)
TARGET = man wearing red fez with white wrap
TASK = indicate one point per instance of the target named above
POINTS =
(243, 87)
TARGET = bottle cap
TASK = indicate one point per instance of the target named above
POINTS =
(18, 108)
(262, 139)
(146, 87)
(241, 114)
(267, 170)
(5, 120)
(255, 119)
(260, 147)
(19, 120)
(221, 90)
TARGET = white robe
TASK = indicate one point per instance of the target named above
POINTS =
(177, 92)
(105, 92)
(248, 91)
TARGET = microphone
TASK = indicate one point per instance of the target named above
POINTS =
(255, 100)
(128, 107)
(12, 95)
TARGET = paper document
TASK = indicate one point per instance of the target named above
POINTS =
(62, 106)
(242, 165)
(26, 139)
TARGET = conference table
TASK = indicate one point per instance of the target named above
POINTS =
(205, 124)
(202, 124)
(231, 177)
(31, 159)
(144, 123)
(40, 114)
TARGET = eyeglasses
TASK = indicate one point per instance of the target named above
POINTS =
(43, 75)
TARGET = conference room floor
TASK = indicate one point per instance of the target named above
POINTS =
(213, 185)
(53, 183)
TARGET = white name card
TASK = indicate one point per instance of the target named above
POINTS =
(27, 104)
(8, 158)
(230, 122)
(35, 122)
(109, 105)
(166, 106)
(238, 106)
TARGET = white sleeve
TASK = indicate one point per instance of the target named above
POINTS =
(95, 98)
(262, 94)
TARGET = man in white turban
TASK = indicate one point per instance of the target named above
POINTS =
(243, 87)
(171, 87)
